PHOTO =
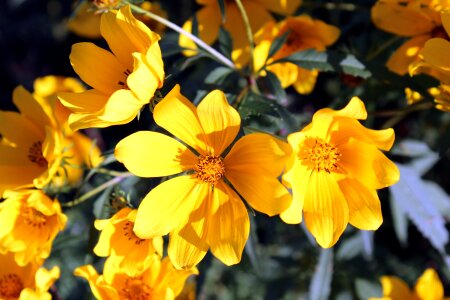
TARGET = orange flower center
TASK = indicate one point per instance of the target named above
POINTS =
(209, 168)
(35, 154)
(34, 217)
(123, 84)
(319, 155)
(135, 289)
(129, 233)
(10, 286)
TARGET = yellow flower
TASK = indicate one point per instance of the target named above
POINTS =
(434, 55)
(305, 33)
(86, 19)
(123, 81)
(419, 20)
(79, 150)
(335, 170)
(31, 149)
(199, 208)
(209, 19)
(441, 96)
(29, 222)
(428, 287)
(27, 282)
(117, 240)
(160, 281)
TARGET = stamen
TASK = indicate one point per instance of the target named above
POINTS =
(35, 154)
(319, 155)
(209, 168)
(10, 286)
(34, 217)
(129, 233)
(135, 289)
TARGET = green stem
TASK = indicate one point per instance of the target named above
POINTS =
(382, 47)
(97, 190)
(220, 57)
(399, 115)
(248, 31)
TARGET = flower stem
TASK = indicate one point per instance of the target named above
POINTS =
(220, 57)
(248, 31)
(97, 190)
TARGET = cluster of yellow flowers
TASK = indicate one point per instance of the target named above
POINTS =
(327, 173)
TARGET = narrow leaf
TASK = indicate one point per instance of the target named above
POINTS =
(218, 75)
(225, 42)
(366, 289)
(222, 9)
(278, 43)
(320, 286)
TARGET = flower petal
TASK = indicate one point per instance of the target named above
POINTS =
(97, 67)
(168, 205)
(406, 54)
(429, 286)
(142, 81)
(188, 242)
(19, 131)
(152, 154)
(363, 204)
(280, 6)
(30, 107)
(367, 164)
(286, 72)
(90, 101)
(395, 288)
(121, 108)
(178, 115)
(325, 209)
(355, 109)
(220, 121)
(305, 81)
(229, 225)
(436, 52)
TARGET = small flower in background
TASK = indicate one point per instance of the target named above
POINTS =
(209, 19)
(31, 149)
(131, 254)
(86, 19)
(79, 150)
(428, 287)
(418, 20)
(29, 222)
(335, 169)
(25, 282)
(199, 208)
(160, 281)
(123, 81)
(304, 33)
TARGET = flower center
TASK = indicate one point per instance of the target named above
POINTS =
(123, 84)
(319, 155)
(209, 168)
(10, 286)
(439, 32)
(35, 154)
(135, 289)
(129, 233)
(34, 217)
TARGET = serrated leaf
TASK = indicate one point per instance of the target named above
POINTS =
(278, 43)
(312, 59)
(412, 196)
(225, 42)
(320, 286)
(366, 289)
(218, 75)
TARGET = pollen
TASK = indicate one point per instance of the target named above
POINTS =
(34, 217)
(129, 233)
(319, 155)
(10, 286)
(209, 168)
(35, 154)
(135, 289)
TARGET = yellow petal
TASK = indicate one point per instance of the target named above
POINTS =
(363, 204)
(401, 20)
(178, 115)
(84, 22)
(45, 278)
(287, 73)
(445, 18)
(168, 205)
(97, 67)
(282, 7)
(325, 209)
(152, 154)
(305, 81)
(188, 242)
(429, 286)
(406, 54)
(436, 52)
(87, 150)
(299, 183)
(86, 120)
(395, 288)
(142, 81)
(154, 62)
(355, 109)
(219, 120)
(19, 131)
(121, 108)
(90, 101)
(30, 107)
(367, 164)
(229, 225)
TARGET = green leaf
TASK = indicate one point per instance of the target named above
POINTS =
(329, 61)
(366, 289)
(225, 42)
(320, 286)
(222, 9)
(272, 84)
(218, 75)
(278, 43)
